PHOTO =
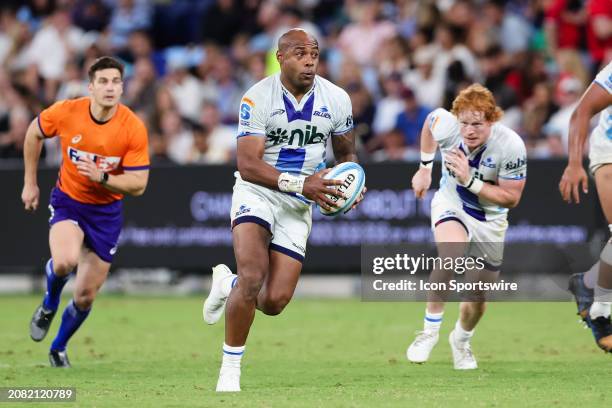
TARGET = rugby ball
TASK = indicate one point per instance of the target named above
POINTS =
(353, 180)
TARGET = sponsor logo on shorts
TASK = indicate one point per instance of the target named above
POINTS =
(242, 210)
(301, 248)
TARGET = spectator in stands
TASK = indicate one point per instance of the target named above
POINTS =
(568, 92)
(599, 32)
(202, 151)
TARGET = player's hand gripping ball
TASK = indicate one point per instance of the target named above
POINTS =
(353, 182)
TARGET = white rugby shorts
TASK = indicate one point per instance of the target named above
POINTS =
(287, 217)
(486, 237)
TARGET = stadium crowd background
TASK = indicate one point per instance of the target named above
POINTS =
(188, 62)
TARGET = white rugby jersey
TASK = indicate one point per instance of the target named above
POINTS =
(502, 156)
(603, 130)
(296, 133)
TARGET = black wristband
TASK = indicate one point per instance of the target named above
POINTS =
(104, 178)
(470, 183)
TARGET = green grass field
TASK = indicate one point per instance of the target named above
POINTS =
(157, 352)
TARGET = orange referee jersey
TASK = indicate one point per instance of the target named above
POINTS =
(116, 146)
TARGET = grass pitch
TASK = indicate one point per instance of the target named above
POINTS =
(157, 352)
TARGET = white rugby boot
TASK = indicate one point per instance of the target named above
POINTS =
(463, 358)
(229, 379)
(420, 349)
(214, 305)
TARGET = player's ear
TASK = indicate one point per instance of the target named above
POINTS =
(279, 57)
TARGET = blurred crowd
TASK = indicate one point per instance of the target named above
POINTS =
(188, 62)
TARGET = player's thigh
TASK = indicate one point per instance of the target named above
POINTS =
(251, 242)
(65, 242)
(281, 280)
(287, 251)
(603, 181)
(91, 275)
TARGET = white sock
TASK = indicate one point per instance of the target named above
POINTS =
(432, 322)
(591, 276)
(232, 356)
(461, 335)
(228, 283)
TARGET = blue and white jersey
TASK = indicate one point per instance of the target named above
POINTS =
(603, 131)
(502, 156)
(296, 133)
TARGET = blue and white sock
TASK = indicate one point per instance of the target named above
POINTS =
(228, 283)
(71, 321)
(55, 284)
(432, 322)
(232, 356)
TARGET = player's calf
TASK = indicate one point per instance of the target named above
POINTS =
(44, 313)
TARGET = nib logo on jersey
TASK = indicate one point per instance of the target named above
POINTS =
(297, 137)
(104, 163)
(516, 164)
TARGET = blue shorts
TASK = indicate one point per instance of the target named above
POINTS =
(101, 223)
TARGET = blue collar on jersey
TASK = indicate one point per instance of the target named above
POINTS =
(475, 161)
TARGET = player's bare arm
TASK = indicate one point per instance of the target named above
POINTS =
(593, 101)
(507, 193)
(252, 168)
(132, 183)
(344, 147)
(31, 153)
(344, 151)
(421, 181)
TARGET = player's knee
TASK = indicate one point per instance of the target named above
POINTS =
(274, 305)
(63, 265)
(250, 285)
(84, 298)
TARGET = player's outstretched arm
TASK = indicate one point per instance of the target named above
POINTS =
(421, 181)
(132, 183)
(252, 168)
(594, 100)
(31, 153)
